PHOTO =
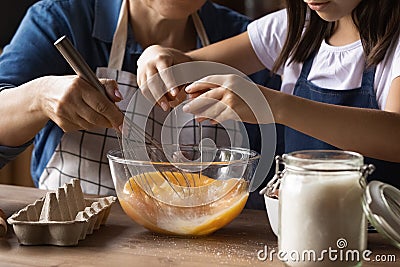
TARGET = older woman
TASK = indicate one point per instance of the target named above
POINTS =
(68, 120)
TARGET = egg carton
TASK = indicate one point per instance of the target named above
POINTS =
(61, 218)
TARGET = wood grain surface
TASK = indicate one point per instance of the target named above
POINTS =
(122, 242)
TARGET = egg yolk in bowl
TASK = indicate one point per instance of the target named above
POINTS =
(160, 203)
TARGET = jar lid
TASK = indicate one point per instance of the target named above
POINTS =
(381, 203)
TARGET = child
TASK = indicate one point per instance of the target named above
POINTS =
(340, 86)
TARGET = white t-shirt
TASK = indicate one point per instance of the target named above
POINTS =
(334, 67)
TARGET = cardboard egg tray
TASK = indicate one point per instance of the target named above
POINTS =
(61, 218)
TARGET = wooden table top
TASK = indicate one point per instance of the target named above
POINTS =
(122, 242)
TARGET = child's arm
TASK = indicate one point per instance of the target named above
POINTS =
(236, 52)
(373, 133)
(393, 98)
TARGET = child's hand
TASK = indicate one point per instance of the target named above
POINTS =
(156, 79)
(223, 97)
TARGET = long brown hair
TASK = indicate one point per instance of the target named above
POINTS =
(377, 21)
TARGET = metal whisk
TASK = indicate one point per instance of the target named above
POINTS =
(135, 133)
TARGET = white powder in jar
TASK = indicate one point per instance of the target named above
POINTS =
(318, 209)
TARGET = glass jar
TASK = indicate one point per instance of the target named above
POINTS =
(321, 216)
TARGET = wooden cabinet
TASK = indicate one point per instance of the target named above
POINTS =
(258, 8)
(11, 13)
(252, 8)
(17, 172)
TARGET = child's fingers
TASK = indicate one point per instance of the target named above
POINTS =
(196, 94)
(203, 102)
(200, 86)
(223, 115)
(205, 108)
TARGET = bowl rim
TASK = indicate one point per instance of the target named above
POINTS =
(253, 156)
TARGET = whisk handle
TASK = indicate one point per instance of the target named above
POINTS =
(82, 69)
(78, 64)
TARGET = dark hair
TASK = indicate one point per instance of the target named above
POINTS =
(377, 21)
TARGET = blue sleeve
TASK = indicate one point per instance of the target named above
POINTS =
(31, 53)
(7, 154)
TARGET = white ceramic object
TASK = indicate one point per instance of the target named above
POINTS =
(272, 206)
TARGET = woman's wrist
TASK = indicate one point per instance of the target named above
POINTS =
(37, 90)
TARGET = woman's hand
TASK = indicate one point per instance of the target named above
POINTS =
(155, 77)
(73, 104)
(223, 97)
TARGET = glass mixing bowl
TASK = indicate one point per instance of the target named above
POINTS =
(185, 196)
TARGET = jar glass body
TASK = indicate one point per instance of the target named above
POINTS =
(321, 216)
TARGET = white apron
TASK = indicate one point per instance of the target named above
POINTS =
(82, 154)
